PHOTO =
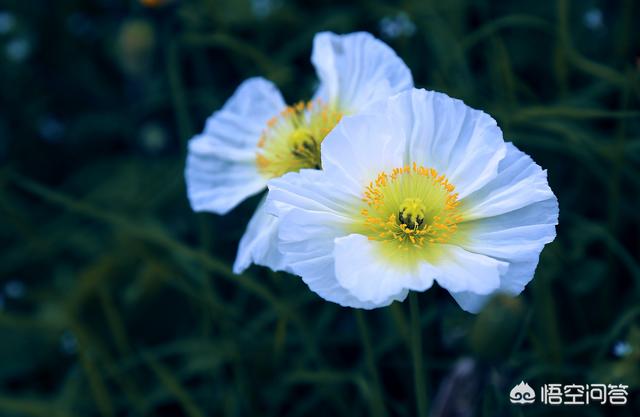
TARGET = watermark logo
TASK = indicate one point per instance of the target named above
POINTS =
(522, 394)
(572, 394)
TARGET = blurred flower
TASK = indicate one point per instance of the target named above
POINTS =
(622, 348)
(397, 26)
(18, 49)
(593, 19)
(135, 45)
(419, 188)
(68, 343)
(7, 22)
(153, 137)
(154, 3)
(262, 8)
(14, 289)
(256, 137)
(50, 129)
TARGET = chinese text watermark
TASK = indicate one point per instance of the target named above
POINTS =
(571, 394)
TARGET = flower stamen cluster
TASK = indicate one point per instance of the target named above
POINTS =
(292, 139)
(411, 206)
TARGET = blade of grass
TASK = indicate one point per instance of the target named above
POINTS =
(506, 22)
(172, 385)
(30, 408)
(150, 234)
(97, 383)
(536, 112)
(178, 96)
(377, 402)
(237, 46)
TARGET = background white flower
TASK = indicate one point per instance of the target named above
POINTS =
(256, 137)
(422, 188)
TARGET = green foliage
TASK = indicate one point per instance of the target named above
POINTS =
(117, 300)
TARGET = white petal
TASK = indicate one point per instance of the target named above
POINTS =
(259, 244)
(361, 270)
(312, 213)
(318, 272)
(519, 274)
(512, 236)
(220, 170)
(311, 190)
(359, 148)
(524, 214)
(245, 115)
(518, 238)
(471, 302)
(215, 183)
(357, 69)
(512, 282)
(520, 182)
(313, 261)
(460, 270)
(443, 133)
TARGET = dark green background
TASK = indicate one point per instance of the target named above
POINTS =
(117, 300)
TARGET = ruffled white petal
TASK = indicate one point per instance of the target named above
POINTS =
(365, 274)
(357, 69)
(311, 190)
(461, 270)
(520, 182)
(216, 183)
(313, 260)
(469, 301)
(313, 212)
(245, 114)
(513, 235)
(220, 170)
(512, 283)
(524, 213)
(443, 133)
(259, 244)
(520, 247)
(359, 148)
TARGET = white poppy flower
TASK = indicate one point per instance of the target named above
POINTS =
(422, 188)
(255, 137)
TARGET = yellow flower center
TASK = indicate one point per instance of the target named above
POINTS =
(410, 209)
(292, 139)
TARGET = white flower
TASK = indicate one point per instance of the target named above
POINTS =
(256, 137)
(422, 188)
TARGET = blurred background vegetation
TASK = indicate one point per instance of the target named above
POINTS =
(117, 300)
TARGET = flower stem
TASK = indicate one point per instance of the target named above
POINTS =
(416, 353)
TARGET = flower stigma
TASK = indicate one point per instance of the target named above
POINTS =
(410, 210)
(292, 139)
